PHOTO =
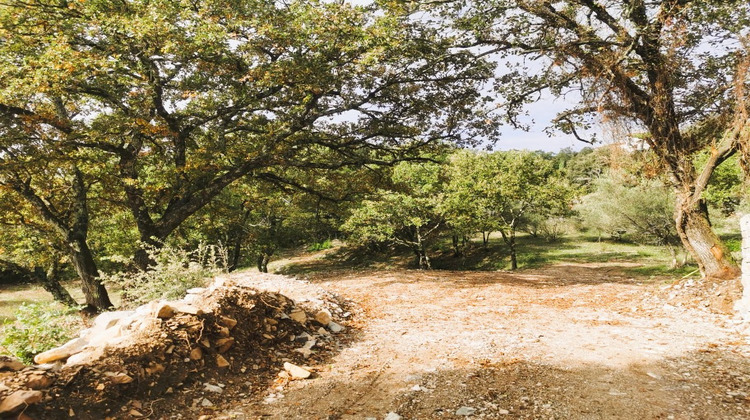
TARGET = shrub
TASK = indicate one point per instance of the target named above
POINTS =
(39, 327)
(174, 272)
(319, 246)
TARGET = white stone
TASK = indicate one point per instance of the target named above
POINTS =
(334, 327)
(107, 320)
(212, 388)
(466, 411)
(392, 416)
(87, 356)
(63, 352)
(296, 372)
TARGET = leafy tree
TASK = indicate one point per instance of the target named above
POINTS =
(502, 191)
(51, 200)
(724, 189)
(664, 66)
(584, 167)
(524, 184)
(641, 209)
(407, 215)
(466, 203)
(186, 97)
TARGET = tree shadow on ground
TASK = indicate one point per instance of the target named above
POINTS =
(560, 275)
(536, 254)
(698, 385)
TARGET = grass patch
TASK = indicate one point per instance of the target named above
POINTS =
(663, 270)
(646, 261)
(320, 246)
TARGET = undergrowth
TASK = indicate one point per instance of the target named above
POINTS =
(39, 327)
(172, 273)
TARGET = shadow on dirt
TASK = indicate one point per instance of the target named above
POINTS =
(700, 385)
(560, 275)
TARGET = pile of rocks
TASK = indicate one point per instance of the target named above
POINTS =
(170, 348)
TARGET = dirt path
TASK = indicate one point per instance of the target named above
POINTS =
(571, 341)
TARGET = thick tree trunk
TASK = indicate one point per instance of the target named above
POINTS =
(94, 292)
(142, 259)
(694, 228)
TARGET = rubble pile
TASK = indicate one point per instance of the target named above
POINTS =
(230, 339)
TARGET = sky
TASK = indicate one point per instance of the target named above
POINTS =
(540, 116)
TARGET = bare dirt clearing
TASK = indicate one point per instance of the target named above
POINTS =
(569, 341)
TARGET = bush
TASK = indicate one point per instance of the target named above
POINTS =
(173, 273)
(319, 246)
(39, 327)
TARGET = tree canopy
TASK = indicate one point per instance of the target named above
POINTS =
(664, 68)
(164, 103)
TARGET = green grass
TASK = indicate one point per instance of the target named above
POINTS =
(12, 296)
(537, 252)
(320, 246)
(636, 260)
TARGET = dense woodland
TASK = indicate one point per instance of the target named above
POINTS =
(255, 126)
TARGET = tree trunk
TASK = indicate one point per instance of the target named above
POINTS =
(262, 262)
(51, 283)
(485, 239)
(510, 240)
(673, 253)
(694, 228)
(513, 255)
(419, 249)
(142, 259)
(456, 246)
(234, 258)
(95, 294)
(423, 261)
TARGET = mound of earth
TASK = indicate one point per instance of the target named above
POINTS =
(184, 359)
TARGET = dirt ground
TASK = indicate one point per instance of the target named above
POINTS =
(565, 342)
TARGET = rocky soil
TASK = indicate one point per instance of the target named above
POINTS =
(566, 342)
(184, 359)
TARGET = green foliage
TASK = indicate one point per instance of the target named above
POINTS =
(642, 209)
(407, 214)
(660, 66)
(172, 273)
(725, 189)
(733, 244)
(123, 120)
(320, 246)
(39, 327)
